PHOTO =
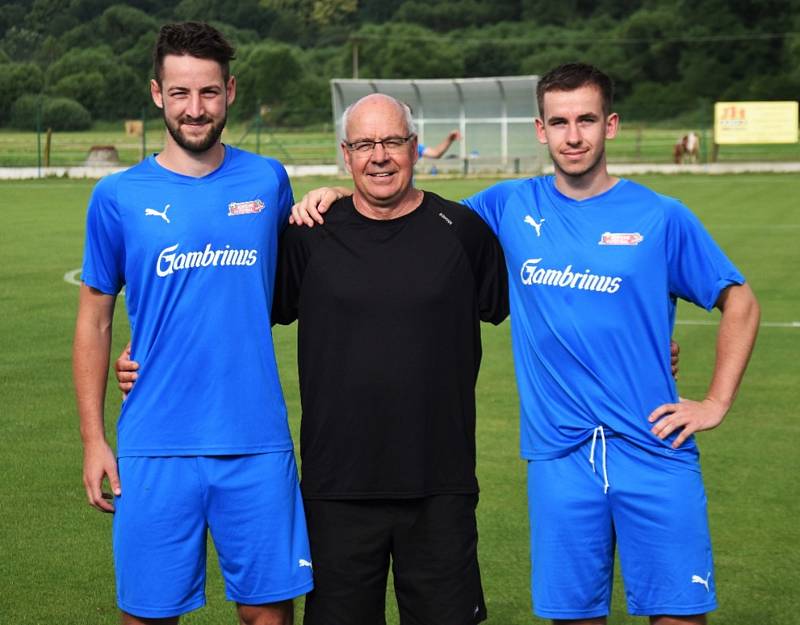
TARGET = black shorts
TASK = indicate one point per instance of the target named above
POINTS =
(432, 543)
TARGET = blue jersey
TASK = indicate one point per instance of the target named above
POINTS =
(197, 258)
(593, 287)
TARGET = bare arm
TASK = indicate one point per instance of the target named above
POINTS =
(439, 150)
(737, 335)
(90, 373)
(310, 208)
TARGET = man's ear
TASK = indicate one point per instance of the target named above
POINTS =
(612, 126)
(346, 154)
(230, 90)
(540, 135)
(155, 93)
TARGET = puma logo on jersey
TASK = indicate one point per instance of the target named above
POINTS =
(152, 212)
(536, 225)
(301, 563)
(696, 579)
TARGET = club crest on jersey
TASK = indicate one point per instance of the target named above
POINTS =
(245, 208)
(620, 238)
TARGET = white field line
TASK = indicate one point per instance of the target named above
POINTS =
(73, 276)
(753, 226)
(763, 324)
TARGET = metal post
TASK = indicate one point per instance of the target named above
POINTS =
(638, 149)
(39, 137)
(704, 147)
(258, 132)
(47, 147)
(355, 58)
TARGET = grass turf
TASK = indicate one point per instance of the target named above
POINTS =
(55, 552)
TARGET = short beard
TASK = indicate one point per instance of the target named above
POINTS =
(201, 145)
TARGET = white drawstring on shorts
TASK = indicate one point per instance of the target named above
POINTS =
(599, 428)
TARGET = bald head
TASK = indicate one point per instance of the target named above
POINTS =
(378, 103)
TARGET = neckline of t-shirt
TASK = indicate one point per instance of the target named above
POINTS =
(191, 179)
(586, 202)
(396, 220)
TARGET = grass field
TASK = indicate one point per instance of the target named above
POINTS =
(55, 552)
(635, 143)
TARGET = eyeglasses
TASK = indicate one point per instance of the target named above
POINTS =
(390, 144)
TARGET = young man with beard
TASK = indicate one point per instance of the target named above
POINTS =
(596, 265)
(192, 234)
(389, 296)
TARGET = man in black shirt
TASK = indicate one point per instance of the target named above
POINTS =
(389, 295)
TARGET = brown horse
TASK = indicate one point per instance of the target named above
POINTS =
(687, 149)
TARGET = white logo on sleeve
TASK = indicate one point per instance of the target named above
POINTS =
(152, 212)
(536, 225)
(696, 579)
(301, 563)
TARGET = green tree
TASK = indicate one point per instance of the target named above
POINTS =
(315, 12)
(88, 88)
(490, 59)
(447, 15)
(50, 17)
(17, 79)
(20, 44)
(407, 51)
(106, 88)
(120, 27)
(99, 59)
(11, 14)
(264, 74)
(651, 101)
(56, 113)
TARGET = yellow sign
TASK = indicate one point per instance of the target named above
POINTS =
(755, 122)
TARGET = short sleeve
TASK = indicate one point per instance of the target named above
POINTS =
(104, 249)
(285, 195)
(489, 203)
(492, 280)
(488, 267)
(698, 268)
(293, 256)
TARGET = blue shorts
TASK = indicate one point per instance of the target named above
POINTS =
(251, 504)
(654, 511)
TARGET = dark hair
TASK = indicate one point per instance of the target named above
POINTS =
(196, 39)
(571, 76)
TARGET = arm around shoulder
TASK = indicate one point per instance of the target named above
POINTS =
(315, 203)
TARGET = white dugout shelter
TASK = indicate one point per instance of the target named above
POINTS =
(494, 115)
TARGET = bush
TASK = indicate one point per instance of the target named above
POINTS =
(17, 79)
(57, 113)
(654, 102)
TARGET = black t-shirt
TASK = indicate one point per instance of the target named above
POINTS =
(389, 346)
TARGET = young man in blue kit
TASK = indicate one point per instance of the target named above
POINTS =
(192, 235)
(596, 264)
(389, 297)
